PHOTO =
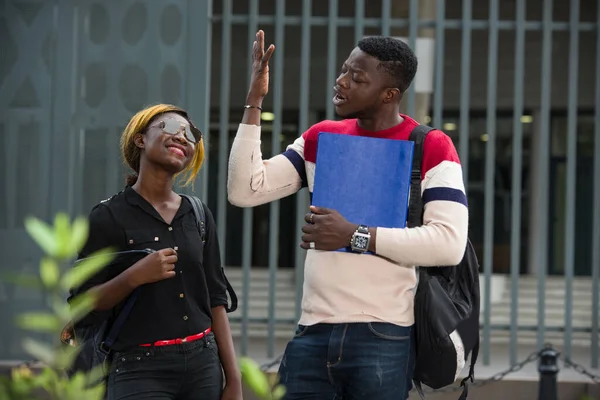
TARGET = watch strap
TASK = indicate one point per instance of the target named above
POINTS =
(362, 229)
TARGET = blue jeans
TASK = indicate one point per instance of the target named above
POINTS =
(187, 371)
(349, 361)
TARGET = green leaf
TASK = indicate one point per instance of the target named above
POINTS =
(86, 269)
(78, 381)
(79, 235)
(49, 272)
(40, 351)
(42, 235)
(24, 280)
(96, 393)
(61, 309)
(278, 392)
(37, 321)
(66, 356)
(4, 391)
(45, 379)
(62, 234)
(96, 374)
(254, 377)
(81, 306)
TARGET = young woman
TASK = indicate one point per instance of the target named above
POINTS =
(176, 342)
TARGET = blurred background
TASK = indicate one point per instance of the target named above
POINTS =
(515, 83)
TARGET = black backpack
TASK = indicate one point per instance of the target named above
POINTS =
(446, 303)
(95, 342)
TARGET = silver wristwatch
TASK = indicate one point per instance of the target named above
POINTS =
(360, 239)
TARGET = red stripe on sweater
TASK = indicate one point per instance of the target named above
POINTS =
(438, 146)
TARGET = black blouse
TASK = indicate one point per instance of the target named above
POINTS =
(175, 307)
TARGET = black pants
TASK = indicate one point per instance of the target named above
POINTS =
(189, 371)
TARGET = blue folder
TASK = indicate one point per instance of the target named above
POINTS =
(365, 179)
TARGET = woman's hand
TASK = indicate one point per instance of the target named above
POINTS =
(259, 82)
(154, 267)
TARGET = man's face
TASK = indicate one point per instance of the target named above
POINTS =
(361, 87)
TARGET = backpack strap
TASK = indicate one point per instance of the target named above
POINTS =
(200, 215)
(415, 203)
(471, 376)
(115, 328)
(415, 218)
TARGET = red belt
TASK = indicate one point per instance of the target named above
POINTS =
(178, 341)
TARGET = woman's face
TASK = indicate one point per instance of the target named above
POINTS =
(167, 142)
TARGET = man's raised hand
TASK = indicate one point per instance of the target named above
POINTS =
(259, 83)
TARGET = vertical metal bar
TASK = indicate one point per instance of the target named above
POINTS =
(596, 208)
(63, 106)
(275, 149)
(12, 157)
(225, 69)
(301, 202)
(199, 25)
(331, 56)
(490, 169)
(112, 185)
(543, 167)
(571, 173)
(517, 166)
(248, 212)
(465, 89)
(412, 42)
(359, 15)
(386, 17)
(438, 96)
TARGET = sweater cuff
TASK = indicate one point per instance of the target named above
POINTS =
(385, 244)
(248, 132)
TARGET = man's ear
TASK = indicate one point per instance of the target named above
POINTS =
(139, 140)
(392, 95)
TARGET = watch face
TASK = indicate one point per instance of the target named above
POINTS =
(361, 242)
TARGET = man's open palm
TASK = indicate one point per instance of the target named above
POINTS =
(259, 84)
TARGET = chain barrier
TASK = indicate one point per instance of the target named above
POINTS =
(580, 369)
(534, 356)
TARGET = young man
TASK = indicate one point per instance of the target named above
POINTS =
(354, 338)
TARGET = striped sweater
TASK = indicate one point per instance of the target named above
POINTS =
(345, 287)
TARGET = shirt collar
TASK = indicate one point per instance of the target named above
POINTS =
(135, 199)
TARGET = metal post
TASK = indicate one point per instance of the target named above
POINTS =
(275, 149)
(412, 42)
(548, 369)
(248, 212)
(465, 92)
(540, 251)
(198, 74)
(303, 117)
(517, 166)
(440, 33)
(571, 174)
(490, 169)
(596, 208)
(331, 56)
(225, 68)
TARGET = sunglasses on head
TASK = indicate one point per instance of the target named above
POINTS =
(173, 127)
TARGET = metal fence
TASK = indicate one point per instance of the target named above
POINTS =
(90, 65)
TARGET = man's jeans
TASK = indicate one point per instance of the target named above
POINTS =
(349, 361)
(187, 371)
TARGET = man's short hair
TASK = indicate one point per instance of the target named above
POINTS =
(395, 56)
